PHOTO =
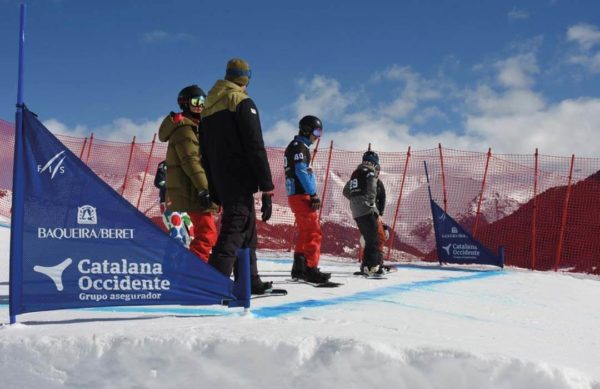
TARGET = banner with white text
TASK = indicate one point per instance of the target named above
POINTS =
(83, 245)
(455, 245)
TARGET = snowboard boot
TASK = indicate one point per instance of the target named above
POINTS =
(372, 271)
(299, 266)
(259, 287)
(313, 274)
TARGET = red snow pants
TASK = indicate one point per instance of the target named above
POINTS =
(205, 234)
(309, 229)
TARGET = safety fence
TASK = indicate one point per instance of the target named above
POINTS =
(545, 210)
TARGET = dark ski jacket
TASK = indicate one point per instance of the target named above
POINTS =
(299, 178)
(361, 190)
(160, 180)
(233, 148)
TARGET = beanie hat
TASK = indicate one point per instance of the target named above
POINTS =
(238, 71)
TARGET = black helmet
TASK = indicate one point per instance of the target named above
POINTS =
(183, 99)
(309, 124)
(371, 156)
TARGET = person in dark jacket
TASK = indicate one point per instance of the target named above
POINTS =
(361, 190)
(186, 184)
(160, 182)
(301, 188)
(237, 167)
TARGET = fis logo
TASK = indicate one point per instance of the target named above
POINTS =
(447, 249)
(54, 272)
(454, 230)
(54, 165)
(86, 214)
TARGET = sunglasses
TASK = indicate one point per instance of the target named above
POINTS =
(317, 132)
(197, 101)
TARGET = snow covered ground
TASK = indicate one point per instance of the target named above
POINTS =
(422, 327)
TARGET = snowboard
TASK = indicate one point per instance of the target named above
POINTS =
(370, 277)
(328, 284)
(270, 293)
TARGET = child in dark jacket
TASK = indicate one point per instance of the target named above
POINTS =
(362, 192)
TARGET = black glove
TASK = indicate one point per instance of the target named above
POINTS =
(315, 202)
(267, 206)
(205, 200)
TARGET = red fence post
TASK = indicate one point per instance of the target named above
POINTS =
(128, 165)
(534, 216)
(564, 216)
(326, 179)
(443, 178)
(314, 154)
(83, 148)
(392, 235)
(146, 171)
(293, 229)
(87, 158)
(487, 163)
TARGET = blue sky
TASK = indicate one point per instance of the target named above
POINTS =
(470, 74)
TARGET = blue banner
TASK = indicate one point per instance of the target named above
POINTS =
(455, 245)
(83, 245)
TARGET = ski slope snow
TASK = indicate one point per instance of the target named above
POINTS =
(424, 326)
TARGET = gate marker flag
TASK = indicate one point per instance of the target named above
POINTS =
(454, 244)
(80, 244)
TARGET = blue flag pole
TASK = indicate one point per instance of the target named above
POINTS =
(17, 216)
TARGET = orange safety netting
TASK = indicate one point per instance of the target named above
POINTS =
(503, 199)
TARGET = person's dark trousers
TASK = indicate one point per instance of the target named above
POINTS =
(238, 229)
(367, 226)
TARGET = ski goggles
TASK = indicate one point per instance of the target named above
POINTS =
(317, 132)
(233, 72)
(197, 101)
